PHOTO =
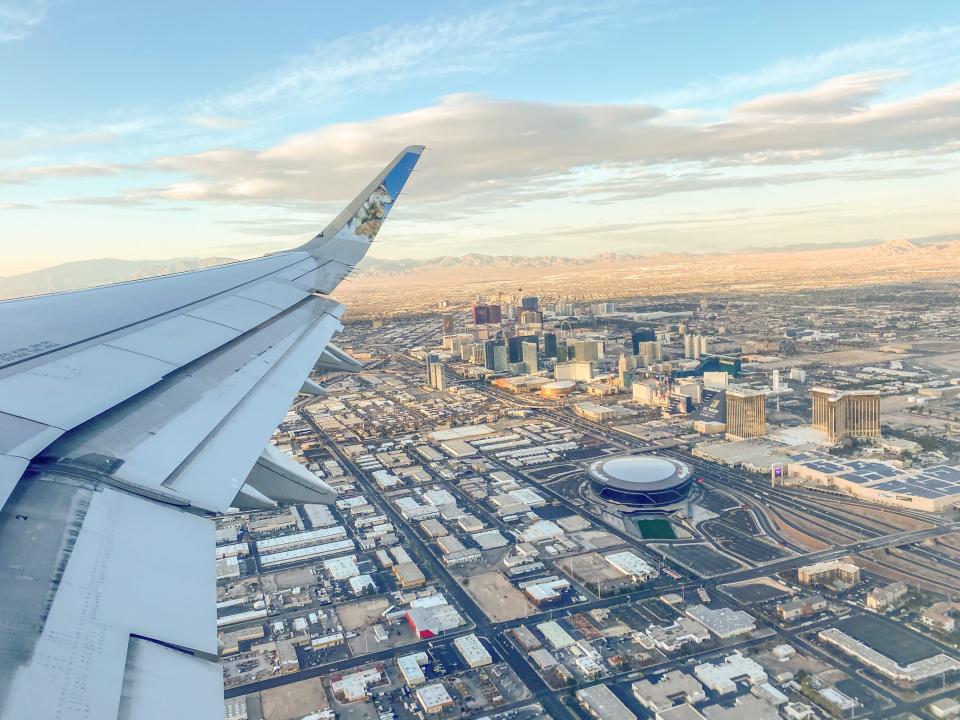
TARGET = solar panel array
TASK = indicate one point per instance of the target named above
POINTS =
(930, 483)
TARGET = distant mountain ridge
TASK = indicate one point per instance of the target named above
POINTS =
(374, 267)
(89, 273)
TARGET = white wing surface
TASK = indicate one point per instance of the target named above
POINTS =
(128, 415)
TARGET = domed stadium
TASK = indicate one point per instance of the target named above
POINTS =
(641, 481)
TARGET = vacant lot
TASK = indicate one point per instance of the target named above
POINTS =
(590, 539)
(294, 701)
(589, 567)
(286, 579)
(497, 597)
(362, 614)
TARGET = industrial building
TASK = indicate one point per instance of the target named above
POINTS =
(846, 414)
(642, 481)
(722, 622)
(434, 698)
(555, 636)
(629, 564)
(411, 667)
(601, 703)
(722, 677)
(930, 667)
(427, 622)
(670, 687)
(472, 651)
(746, 413)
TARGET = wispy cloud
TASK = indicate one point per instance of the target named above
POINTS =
(487, 41)
(19, 18)
(918, 47)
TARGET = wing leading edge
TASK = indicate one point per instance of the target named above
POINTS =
(127, 414)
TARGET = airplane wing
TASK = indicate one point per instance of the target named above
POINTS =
(129, 414)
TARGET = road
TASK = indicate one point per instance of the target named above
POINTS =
(741, 485)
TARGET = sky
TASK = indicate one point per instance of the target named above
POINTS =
(185, 129)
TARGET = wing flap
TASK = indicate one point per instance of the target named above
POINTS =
(130, 567)
(160, 683)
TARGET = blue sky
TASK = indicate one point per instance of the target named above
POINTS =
(152, 130)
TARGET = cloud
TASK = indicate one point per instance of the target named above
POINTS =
(19, 18)
(218, 122)
(15, 206)
(840, 95)
(487, 41)
(488, 153)
(916, 47)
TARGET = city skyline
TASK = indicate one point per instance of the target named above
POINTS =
(701, 127)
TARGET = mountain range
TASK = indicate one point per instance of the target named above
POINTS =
(906, 259)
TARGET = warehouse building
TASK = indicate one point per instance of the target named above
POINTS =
(411, 668)
(306, 553)
(556, 637)
(601, 703)
(409, 575)
(434, 698)
(722, 677)
(672, 686)
(723, 622)
(631, 565)
(934, 666)
(472, 651)
(428, 622)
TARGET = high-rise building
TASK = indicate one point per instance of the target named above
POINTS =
(746, 413)
(624, 370)
(640, 336)
(692, 388)
(581, 370)
(446, 321)
(515, 346)
(587, 350)
(530, 303)
(529, 355)
(550, 345)
(715, 380)
(846, 414)
(646, 393)
(501, 360)
(775, 382)
(650, 351)
(438, 378)
(688, 341)
(430, 360)
(530, 317)
(483, 314)
(489, 354)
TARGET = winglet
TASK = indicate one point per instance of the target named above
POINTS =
(348, 237)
